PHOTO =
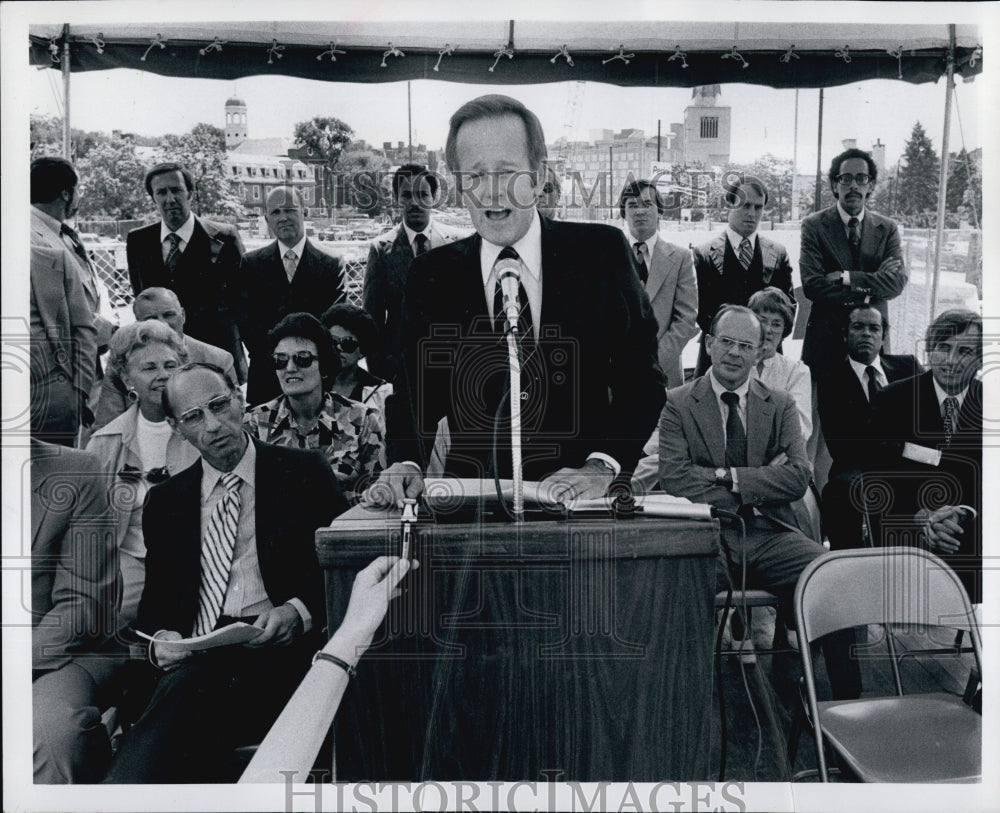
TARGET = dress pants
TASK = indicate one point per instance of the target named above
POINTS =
(212, 703)
(775, 557)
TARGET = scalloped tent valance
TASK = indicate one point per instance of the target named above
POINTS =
(654, 54)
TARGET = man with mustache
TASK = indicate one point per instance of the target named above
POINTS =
(197, 259)
(736, 264)
(850, 256)
(415, 193)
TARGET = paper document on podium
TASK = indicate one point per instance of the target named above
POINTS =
(237, 633)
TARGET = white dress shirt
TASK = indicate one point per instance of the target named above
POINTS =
(184, 233)
(741, 409)
(298, 248)
(735, 240)
(859, 370)
(529, 249)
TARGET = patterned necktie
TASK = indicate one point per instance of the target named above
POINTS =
(746, 253)
(217, 555)
(291, 263)
(524, 320)
(640, 257)
(174, 254)
(950, 418)
(873, 386)
(736, 436)
(422, 244)
(854, 238)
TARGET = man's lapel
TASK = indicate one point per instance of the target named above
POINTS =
(836, 237)
(717, 252)
(557, 293)
(872, 233)
(760, 415)
(708, 420)
(769, 258)
(661, 267)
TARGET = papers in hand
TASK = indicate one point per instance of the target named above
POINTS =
(237, 633)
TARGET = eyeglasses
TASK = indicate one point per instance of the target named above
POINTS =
(727, 344)
(217, 406)
(303, 360)
(347, 344)
(861, 179)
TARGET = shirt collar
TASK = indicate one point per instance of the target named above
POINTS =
(184, 232)
(49, 220)
(332, 404)
(244, 470)
(844, 216)
(735, 240)
(859, 370)
(941, 394)
(528, 248)
(718, 389)
(411, 235)
(298, 248)
(650, 243)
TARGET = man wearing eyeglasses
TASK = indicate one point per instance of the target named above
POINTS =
(728, 440)
(290, 275)
(930, 449)
(849, 256)
(228, 539)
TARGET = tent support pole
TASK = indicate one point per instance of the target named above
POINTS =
(943, 182)
(65, 77)
(818, 191)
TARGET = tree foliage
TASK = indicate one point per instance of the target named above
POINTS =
(45, 134)
(776, 173)
(203, 152)
(111, 182)
(918, 175)
(325, 139)
(965, 187)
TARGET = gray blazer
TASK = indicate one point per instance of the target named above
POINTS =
(673, 293)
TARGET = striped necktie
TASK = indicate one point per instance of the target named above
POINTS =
(524, 319)
(174, 254)
(746, 253)
(217, 555)
(640, 259)
(291, 263)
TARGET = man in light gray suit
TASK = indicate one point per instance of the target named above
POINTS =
(414, 191)
(731, 442)
(667, 274)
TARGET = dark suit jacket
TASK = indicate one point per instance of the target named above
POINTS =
(265, 296)
(844, 411)
(673, 293)
(204, 280)
(593, 382)
(693, 445)
(389, 261)
(63, 346)
(296, 493)
(74, 556)
(908, 411)
(824, 250)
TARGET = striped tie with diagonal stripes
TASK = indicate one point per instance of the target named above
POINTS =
(217, 555)
(746, 253)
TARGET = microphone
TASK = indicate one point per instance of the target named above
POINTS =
(508, 271)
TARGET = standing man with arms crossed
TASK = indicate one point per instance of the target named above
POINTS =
(850, 256)
(196, 259)
(592, 382)
(288, 276)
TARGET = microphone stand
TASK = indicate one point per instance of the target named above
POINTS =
(509, 279)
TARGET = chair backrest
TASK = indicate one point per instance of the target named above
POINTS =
(900, 585)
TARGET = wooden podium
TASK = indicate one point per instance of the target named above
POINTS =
(578, 649)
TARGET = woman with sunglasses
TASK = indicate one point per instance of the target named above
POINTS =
(138, 448)
(310, 414)
(354, 335)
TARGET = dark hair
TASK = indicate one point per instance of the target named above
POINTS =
(411, 172)
(850, 310)
(734, 197)
(847, 155)
(774, 300)
(307, 326)
(163, 169)
(494, 106)
(633, 189)
(50, 177)
(193, 365)
(951, 323)
(735, 309)
(355, 319)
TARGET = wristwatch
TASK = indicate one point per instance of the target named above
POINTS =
(723, 478)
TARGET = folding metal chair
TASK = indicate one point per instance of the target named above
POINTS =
(934, 737)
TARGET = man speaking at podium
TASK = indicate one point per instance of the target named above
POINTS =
(592, 386)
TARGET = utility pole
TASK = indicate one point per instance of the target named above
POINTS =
(67, 142)
(818, 192)
(409, 122)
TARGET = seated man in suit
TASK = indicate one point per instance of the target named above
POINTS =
(666, 273)
(739, 262)
(929, 431)
(846, 397)
(290, 275)
(228, 539)
(849, 256)
(415, 194)
(163, 305)
(63, 347)
(197, 259)
(727, 440)
(591, 384)
(74, 606)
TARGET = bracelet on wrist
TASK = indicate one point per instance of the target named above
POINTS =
(324, 656)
